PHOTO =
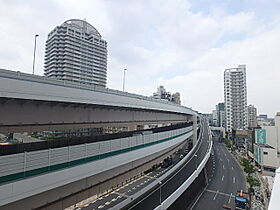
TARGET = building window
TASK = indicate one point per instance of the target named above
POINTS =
(265, 153)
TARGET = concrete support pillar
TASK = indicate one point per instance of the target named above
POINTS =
(194, 119)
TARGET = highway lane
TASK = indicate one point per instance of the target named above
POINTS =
(227, 177)
(152, 200)
(118, 195)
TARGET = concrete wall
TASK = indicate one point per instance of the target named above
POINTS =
(270, 159)
(271, 136)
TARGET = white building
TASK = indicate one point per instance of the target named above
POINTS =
(235, 97)
(75, 51)
(252, 116)
(162, 94)
(262, 119)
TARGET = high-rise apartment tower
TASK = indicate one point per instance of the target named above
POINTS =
(252, 116)
(75, 51)
(235, 96)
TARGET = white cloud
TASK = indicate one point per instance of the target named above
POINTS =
(159, 42)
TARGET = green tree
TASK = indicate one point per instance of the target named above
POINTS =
(253, 182)
(248, 167)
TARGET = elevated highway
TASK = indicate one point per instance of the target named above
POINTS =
(56, 175)
(35, 178)
(165, 190)
(36, 103)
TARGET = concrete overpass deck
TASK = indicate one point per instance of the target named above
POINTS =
(38, 103)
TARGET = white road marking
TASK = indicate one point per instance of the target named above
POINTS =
(220, 193)
(231, 168)
(216, 195)
(121, 195)
(229, 197)
(233, 180)
(223, 178)
(223, 166)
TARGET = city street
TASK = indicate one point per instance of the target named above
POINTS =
(224, 181)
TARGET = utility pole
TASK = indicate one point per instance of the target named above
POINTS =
(34, 53)
(124, 70)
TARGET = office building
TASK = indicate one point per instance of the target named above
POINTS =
(176, 98)
(267, 146)
(252, 116)
(162, 93)
(263, 120)
(219, 118)
(76, 52)
(235, 96)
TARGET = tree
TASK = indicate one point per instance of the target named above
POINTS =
(248, 167)
(253, 182)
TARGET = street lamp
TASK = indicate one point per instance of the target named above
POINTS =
(196, 160)
(159, 192)
(124, 70)
(34, 53)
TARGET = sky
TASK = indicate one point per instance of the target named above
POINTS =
(184, 45)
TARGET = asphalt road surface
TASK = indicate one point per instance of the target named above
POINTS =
(225, 180)
(118, 195)
(153, 199)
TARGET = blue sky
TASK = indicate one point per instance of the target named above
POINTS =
(184, 45)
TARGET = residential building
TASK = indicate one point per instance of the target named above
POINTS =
(163, 94)
(235, 96)
(76, 52)
(252, 116)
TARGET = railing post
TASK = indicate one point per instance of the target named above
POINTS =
(68, 154)
(194, 118)
(49, 156)
(85, 149)
(24, 165)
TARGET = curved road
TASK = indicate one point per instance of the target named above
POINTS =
(154, 198)
(226, 178)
